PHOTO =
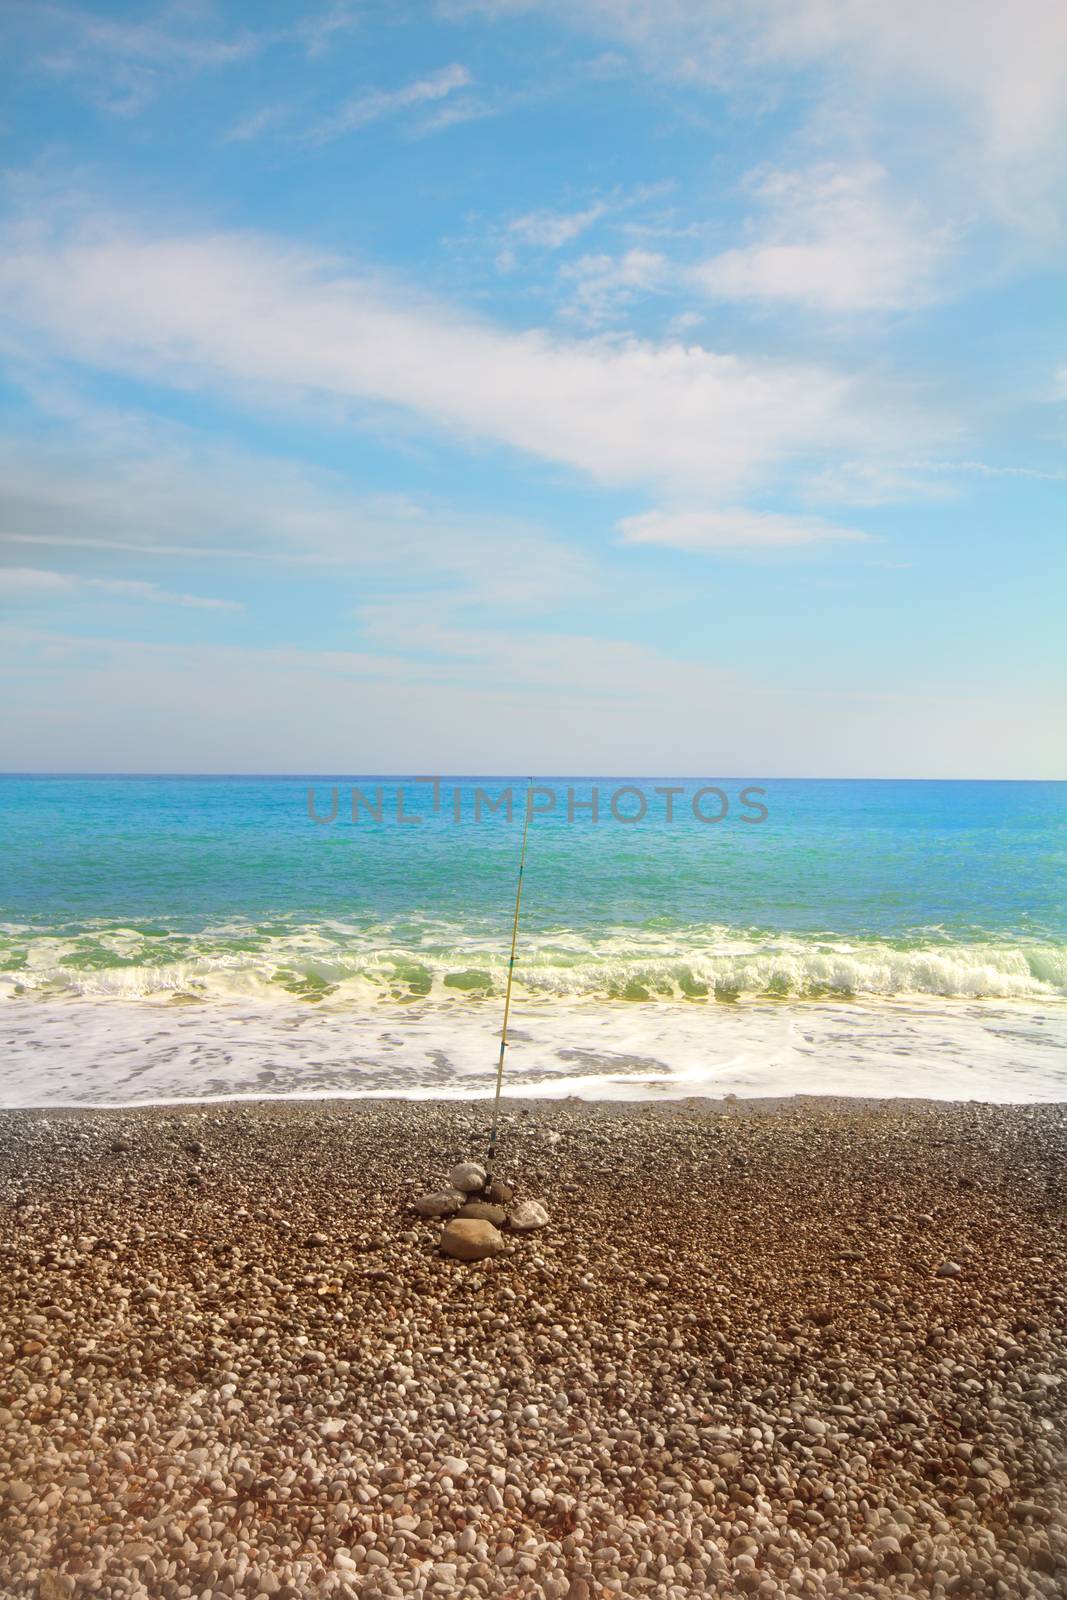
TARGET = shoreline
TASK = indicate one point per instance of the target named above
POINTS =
(518, 1103)
(95, 1052)
(764, 1347)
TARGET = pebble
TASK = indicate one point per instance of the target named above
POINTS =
(732, 1371)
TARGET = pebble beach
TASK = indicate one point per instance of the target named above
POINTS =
(771, 1348)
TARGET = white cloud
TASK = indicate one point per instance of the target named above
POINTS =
(554, 229)
(37, 581)
(363, 109)
(1004, 67)
(261, 318)
(730, 530)
(551, 230)
(965, 101)
(830, 239)
(603, 286)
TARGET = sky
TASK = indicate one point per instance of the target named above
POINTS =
(609, 386)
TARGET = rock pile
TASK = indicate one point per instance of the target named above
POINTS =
(479, 1206)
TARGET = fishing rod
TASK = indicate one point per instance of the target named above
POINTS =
(511, 973)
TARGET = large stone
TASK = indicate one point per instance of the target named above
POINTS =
(439, 1204)
(469, 1239)
(468, 1176)
(526, 1215)
(482, 1211)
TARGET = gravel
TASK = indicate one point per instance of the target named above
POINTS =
(235, 1360)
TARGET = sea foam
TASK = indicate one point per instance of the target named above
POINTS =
(375, 965)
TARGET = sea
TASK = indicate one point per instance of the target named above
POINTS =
(176, 938)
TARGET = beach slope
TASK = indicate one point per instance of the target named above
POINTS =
(764, 1348)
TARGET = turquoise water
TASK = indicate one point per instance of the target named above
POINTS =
(196, 888)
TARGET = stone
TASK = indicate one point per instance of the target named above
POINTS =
(949, 1269)
(482, 1211)
(469, 1239)
(441, 1204)
(54, 1586)
(499, 1193)
(526, 1215)
(468, 1176)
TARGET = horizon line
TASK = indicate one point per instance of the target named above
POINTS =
(494, 777)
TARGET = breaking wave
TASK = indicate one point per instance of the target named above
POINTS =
(333, 962)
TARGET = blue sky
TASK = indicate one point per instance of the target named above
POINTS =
(610, 386)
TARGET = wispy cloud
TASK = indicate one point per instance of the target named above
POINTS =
(120, 63)
(43, 583)
(830, 238)
(554, 229)
(964, 100)
(887, 482)
(319, 31)
(550, 230)
(989, 469)
(255, 124)
(162, 41)
(95, 482)
(1005, 68)
(730, 530)
(602, 287)
(374, 104)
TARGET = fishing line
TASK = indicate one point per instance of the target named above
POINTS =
(511, 974)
